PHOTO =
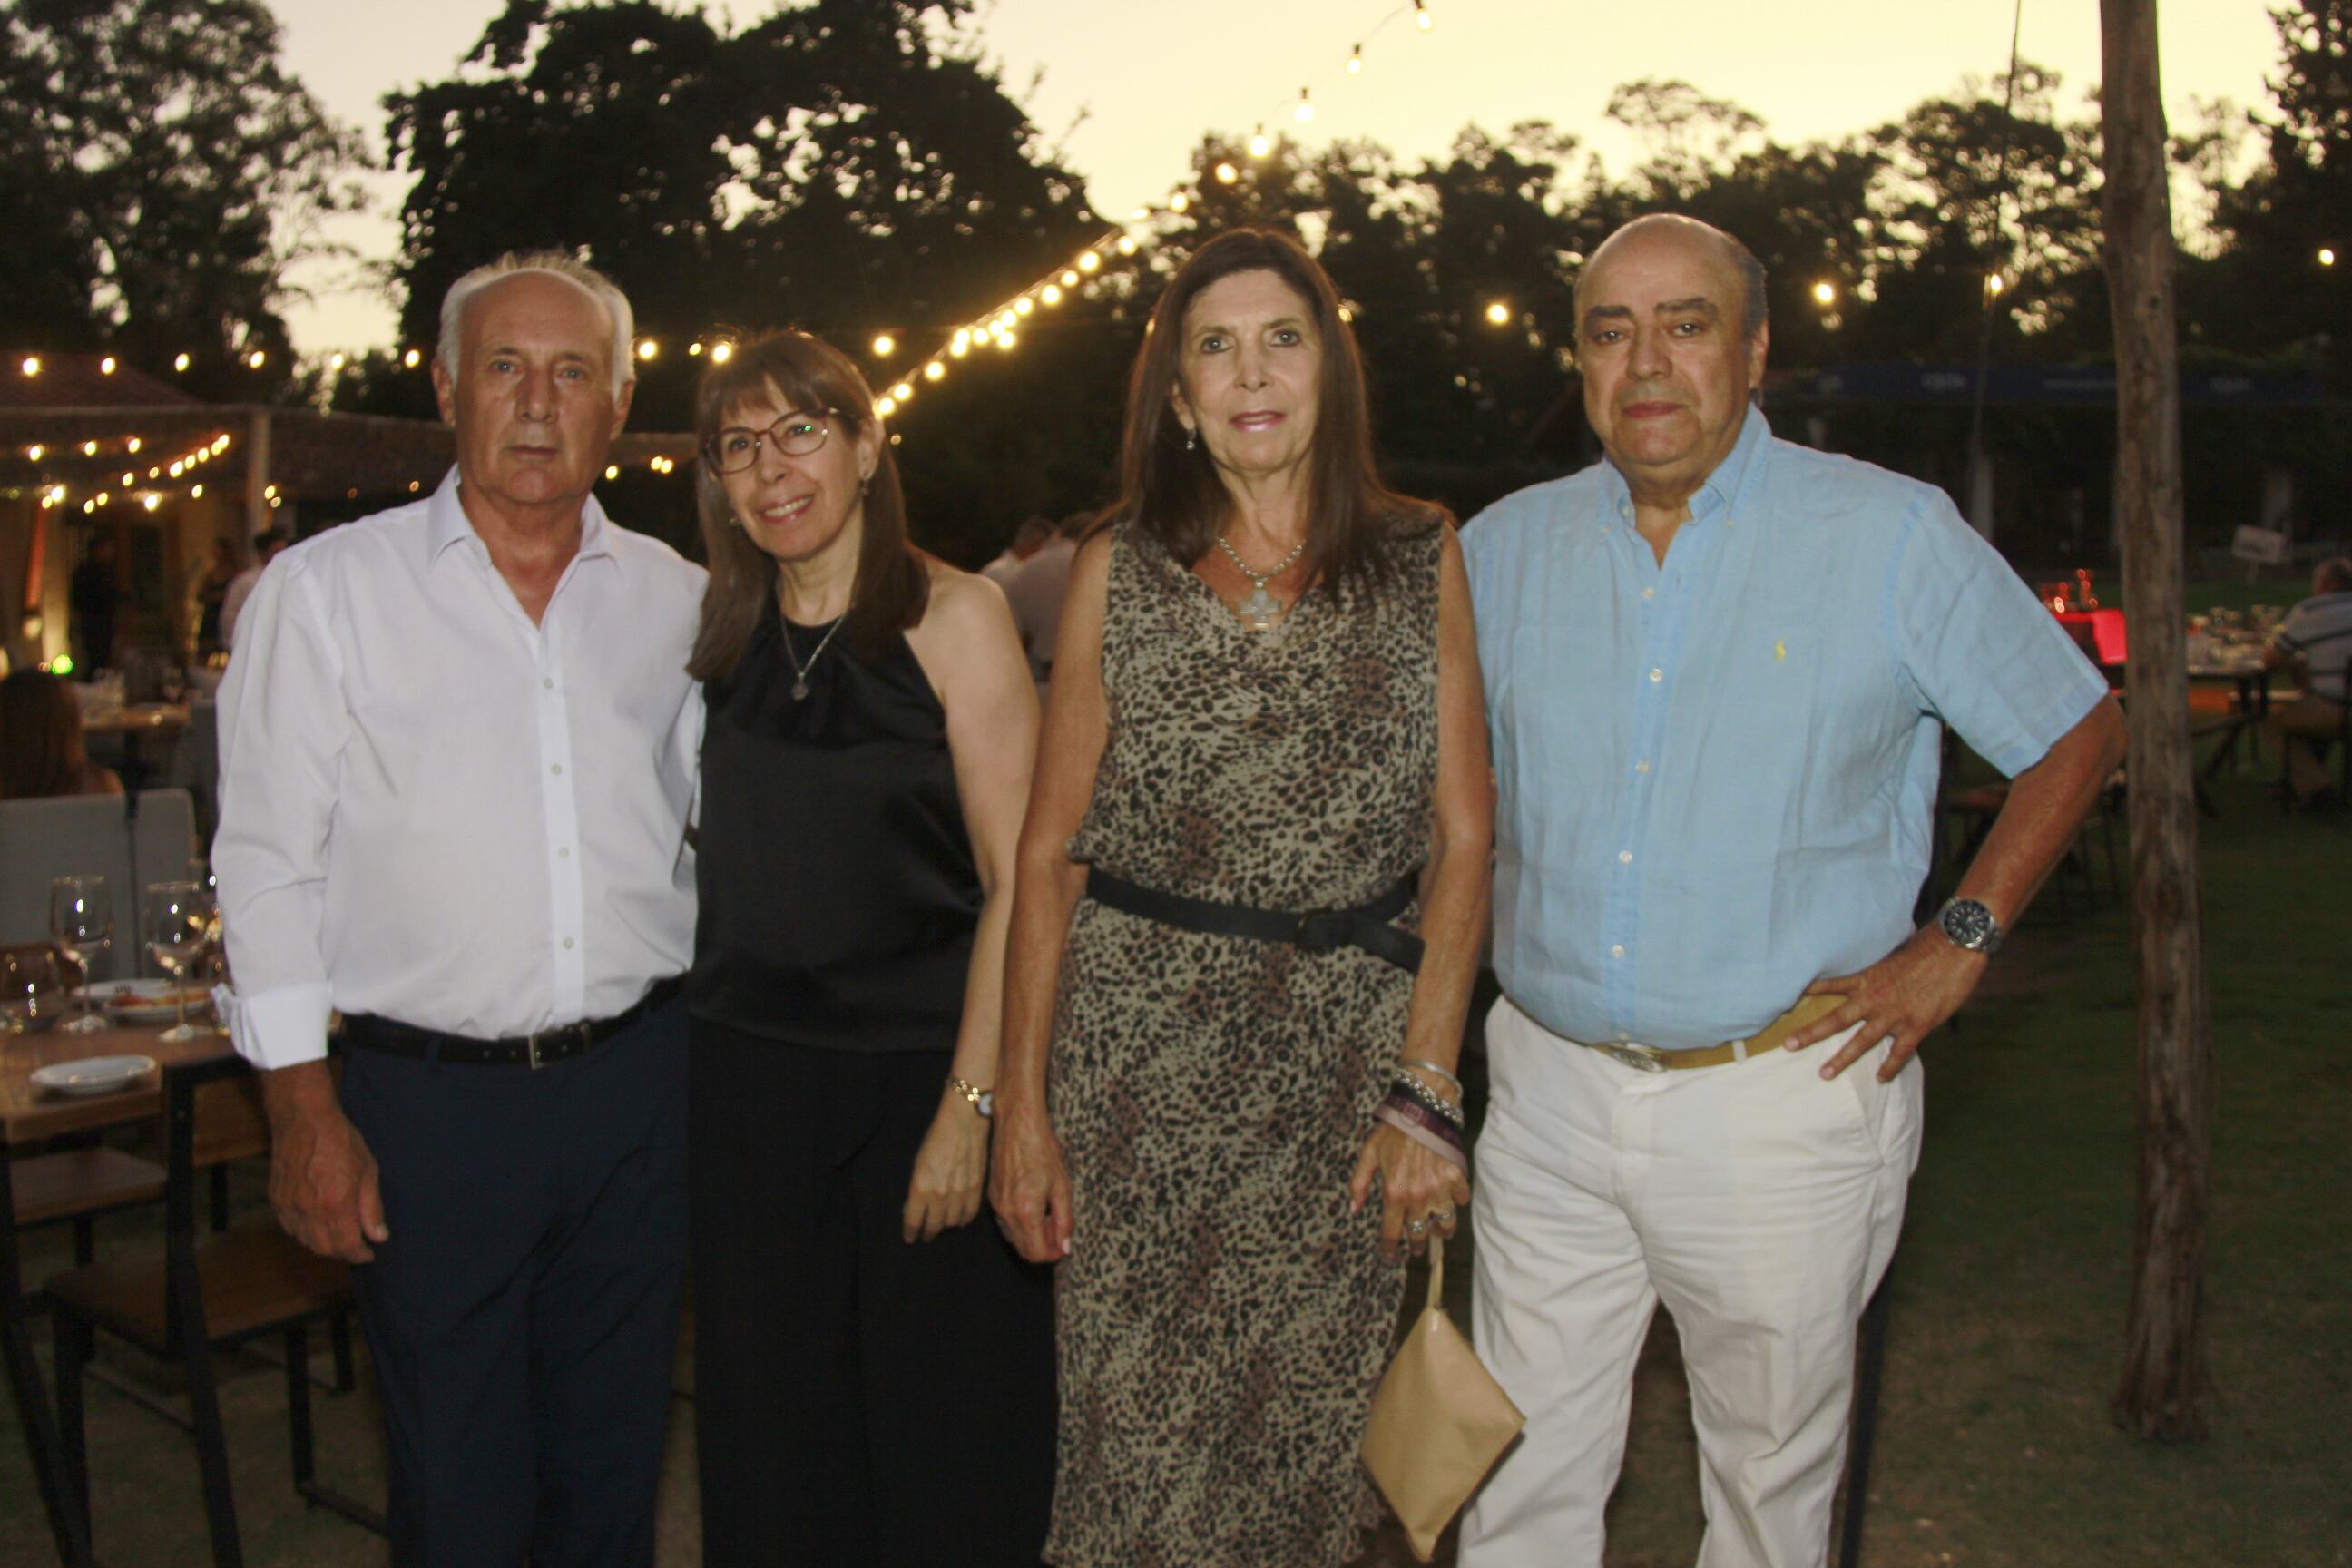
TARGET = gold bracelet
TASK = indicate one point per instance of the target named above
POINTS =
(982, 1100)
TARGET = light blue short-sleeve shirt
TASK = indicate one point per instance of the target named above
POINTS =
(1717, 776)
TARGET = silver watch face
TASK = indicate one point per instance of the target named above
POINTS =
(1969, 925)
(986, 1103)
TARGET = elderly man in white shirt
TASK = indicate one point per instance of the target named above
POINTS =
(457, 756)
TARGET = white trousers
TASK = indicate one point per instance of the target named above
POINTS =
(1758, 1203)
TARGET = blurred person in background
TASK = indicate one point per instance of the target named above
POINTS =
(41, 750)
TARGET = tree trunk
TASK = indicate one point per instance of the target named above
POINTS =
(2164, 1358)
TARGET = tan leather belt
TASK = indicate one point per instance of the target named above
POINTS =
(1771, 1036)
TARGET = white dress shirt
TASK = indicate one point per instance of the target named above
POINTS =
(434, 811)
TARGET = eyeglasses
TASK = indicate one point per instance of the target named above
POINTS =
(736, 446)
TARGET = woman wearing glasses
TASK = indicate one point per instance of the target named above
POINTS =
(874, 1373)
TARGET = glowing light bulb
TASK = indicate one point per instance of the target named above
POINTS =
(1498, 313)
(884, 407)
(150, 500)
(902, 393)
(1356, 61)
(180, 361)
(106, 366)
(1420, 17)
(1993, 283)
(32, 365)
(1127, 245)
(612, 471)
(1051, 293)
(721, 353)
(1227, 173)
(412, 358)
(1825, 293)
(648, 348)
(885, 345)
(1306, 109)
(1023, 306)
(1069, 279)
(1089, 261)
(90, 448)
(196, 492)
(934, 371)
(257, 359)
(1260, 144)
(32, 453)
(2328, 256)
(1179, 201)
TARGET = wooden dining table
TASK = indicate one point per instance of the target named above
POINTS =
(28, 1115)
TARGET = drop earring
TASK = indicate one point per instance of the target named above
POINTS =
(1192, 439)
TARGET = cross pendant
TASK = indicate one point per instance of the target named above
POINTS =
(1258, 612)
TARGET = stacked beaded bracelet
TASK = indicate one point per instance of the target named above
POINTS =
(1425, 1127)
(1409, 1084)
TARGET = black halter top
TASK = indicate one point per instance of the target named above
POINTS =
(837, 889)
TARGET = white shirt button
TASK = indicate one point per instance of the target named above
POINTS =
(564, 853)
(1618, 951)
(548, 682)
(1624, 857)
(558, 768)
(567, 944)
(1649, 593)
(1642, 767)
(1657, 676)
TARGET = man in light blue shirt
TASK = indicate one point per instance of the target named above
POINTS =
(1718, 666)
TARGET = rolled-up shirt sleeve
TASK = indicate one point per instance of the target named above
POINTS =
(283, 725)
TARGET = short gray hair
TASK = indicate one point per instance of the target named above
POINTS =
(2333, 576)
(552, 263)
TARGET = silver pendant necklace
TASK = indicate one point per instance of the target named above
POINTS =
(799, 670)
(1260, 609)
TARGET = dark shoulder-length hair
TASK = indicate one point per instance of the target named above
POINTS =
(798, 373)
(1173, 493)
(41, 751)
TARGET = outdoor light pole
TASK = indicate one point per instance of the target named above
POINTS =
(2164, 1360)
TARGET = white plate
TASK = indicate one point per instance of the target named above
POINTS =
(91, 1075)
(141, 1001)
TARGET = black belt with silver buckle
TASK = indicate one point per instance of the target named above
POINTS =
(542, 1048)
(1366, 926)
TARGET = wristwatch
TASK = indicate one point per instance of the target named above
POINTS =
(982, 1100)
(1966, 923)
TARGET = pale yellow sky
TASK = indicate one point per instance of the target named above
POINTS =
(1149, 76)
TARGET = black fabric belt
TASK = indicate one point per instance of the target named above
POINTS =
(369, 1033)
(1366, 926)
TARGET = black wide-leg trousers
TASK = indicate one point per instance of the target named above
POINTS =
(860, 1401)
(524, 1316)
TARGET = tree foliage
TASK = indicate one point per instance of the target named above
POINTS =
(162, 172)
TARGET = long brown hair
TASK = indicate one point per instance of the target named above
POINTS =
(892, 587)
(41, 750)
(1173, 491)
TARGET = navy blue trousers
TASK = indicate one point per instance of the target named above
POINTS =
(523, 1317)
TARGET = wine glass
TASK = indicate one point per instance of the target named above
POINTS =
(81, 921)
(177, 918)
(29, 982)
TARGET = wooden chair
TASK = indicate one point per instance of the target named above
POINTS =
(206, 1293)
(74, 1185)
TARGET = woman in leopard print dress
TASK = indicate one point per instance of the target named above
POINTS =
(1185, 1116)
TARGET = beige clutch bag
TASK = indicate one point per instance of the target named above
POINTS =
(1439, 1422)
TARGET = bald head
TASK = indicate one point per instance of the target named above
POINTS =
(1675, 230)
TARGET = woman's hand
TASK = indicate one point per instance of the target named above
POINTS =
(1421, 1194)
(1029, 1188)
(951, 1169)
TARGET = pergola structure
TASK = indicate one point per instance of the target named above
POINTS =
(86, 443)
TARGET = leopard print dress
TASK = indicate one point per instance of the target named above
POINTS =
(1223, 1318)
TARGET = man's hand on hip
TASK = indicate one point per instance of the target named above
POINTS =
(1906, 995)
(322, 1180)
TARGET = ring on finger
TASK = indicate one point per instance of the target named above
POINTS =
(1416, 1227)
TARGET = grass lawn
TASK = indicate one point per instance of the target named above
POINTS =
(1995, 1447)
